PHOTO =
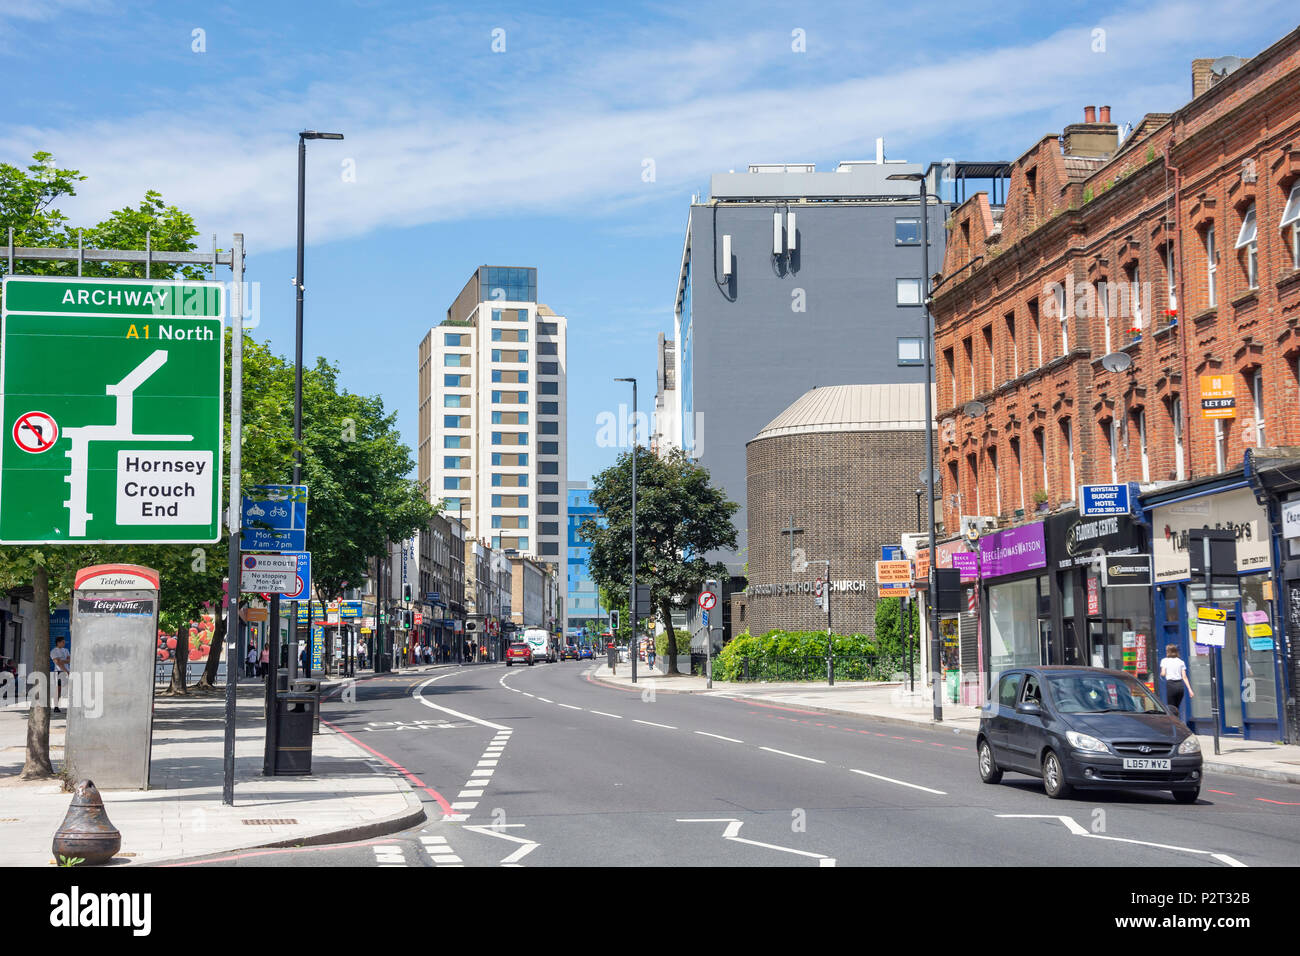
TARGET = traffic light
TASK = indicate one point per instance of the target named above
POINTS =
(613, 621)
(406, 593)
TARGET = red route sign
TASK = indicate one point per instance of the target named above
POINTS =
(35, 432)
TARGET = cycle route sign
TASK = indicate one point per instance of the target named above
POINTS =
(111, 405)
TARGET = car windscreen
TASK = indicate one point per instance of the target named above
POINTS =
(1101, 694)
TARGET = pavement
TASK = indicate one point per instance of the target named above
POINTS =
(894, 703)
(351, 794)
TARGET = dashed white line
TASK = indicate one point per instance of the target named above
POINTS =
(651, 723)
(470, 793)
(784, 753)
(732, 740)
(901, 783)
(603, 714)
(545, 700)
(569, 706)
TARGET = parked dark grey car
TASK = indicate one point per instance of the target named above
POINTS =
(1086, 727)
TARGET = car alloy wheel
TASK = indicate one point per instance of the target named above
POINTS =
(989, 771)
(1054, 777)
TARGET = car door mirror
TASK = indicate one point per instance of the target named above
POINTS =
(1029, 707)
(1172, 710)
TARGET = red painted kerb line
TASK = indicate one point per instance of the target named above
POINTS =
(442, 801)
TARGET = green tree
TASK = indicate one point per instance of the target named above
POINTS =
(680, 517)
(889, 638)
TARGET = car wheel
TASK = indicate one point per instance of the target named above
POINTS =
(989, 771)
(1187, 796)
(508, 664)
(1054, 777)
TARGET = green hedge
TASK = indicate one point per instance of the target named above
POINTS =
(801, 655)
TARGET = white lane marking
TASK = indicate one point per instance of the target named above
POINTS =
(732, 831)
(901, 783)
(465, 805)
(732, 740)
(487, 763)
(651, 723)
(469, 793)
(545, 700)
(389, 855)
(426, 840)
(527, 845)
(526, 694)
(603, 714)
(418, 695)
(570, 706)
(1078, 829)
(784, 753)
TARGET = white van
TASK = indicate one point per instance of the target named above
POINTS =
(539, 639)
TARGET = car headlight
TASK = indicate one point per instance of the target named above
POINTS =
(1085, 742)
(1190, 746)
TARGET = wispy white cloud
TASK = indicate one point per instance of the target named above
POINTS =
(581, 127)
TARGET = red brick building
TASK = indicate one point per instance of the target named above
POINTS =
(1178, 248)
(1083, 331)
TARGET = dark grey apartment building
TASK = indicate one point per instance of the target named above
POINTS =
(790, 279)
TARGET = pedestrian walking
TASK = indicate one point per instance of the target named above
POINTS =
(250, 660)
(650, 654)
(1174, 670)
(264, 660)
(59, 657)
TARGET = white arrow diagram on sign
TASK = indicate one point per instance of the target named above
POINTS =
(528, 846)
(121, 429)
(733, 828)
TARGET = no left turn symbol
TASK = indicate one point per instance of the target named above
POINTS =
(35, 432)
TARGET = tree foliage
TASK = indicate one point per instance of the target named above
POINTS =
(680, 518)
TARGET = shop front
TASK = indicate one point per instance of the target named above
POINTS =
(1014, 599)
(1250, 687)
(1102, 589)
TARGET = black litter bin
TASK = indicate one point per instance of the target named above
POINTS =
(294, 715)
(281, 685)
(310, 685)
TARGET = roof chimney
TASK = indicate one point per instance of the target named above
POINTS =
(1092, 138)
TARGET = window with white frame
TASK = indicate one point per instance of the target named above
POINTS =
(1063, 318)
(1171, 287)
(1040, 440)
(1067, 434)
(1140, 423)
(1248, 246)
(1211, 266)
(1180, 462)
(1112, 441)
(997, 480)
(1291, 224)
(1257, 398)
(1103, 312)
(1133, 277)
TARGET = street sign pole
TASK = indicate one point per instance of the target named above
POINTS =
(1218, 651)
(233, 588)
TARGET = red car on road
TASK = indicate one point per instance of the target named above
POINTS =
(519, 651)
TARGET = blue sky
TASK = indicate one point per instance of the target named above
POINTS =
(533, 155)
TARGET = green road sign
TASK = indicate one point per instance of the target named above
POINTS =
(111, 403)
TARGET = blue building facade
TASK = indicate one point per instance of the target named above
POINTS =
(583, 605)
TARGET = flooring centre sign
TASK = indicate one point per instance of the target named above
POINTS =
(111, 396)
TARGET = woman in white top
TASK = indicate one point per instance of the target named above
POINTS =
(1174, 670)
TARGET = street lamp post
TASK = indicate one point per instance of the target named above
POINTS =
(928, 343)
(297, 357)
(632, 651)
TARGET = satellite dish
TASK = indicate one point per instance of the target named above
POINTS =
(934, 473)
(974, 409)
(1116, 361)
(1225, 65)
